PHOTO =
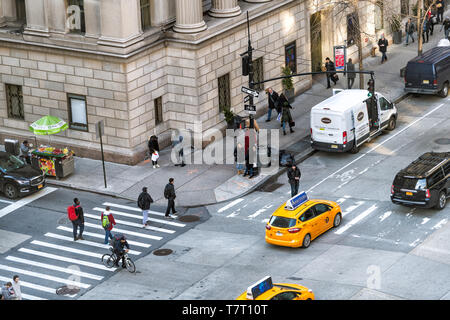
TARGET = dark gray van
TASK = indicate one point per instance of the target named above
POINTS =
(429, 73)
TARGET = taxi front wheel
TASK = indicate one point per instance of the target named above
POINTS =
(337, 220)
(306, 241)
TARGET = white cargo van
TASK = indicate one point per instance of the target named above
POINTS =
(348, 119)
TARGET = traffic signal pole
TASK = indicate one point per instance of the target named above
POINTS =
(251, 85)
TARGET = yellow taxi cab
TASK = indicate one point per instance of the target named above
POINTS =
(265, 290)
(299, 221)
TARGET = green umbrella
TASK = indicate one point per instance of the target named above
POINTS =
(48, 125)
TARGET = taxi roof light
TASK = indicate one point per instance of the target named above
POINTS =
(259, 288)
(296, 201)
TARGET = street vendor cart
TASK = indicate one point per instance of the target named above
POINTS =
(54, 162)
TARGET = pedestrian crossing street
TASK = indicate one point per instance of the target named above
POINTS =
(365, 222)
(55, 260)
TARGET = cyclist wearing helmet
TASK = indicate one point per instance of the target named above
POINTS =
(119, 249)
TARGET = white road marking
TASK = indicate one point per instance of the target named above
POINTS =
(6, 201)
(231, 204)
(340, 200)
(30, 297)
(68, 249)
(32, 286)
(351, 208)
(131, 224)
(110, 204)
(89, 243)
(53, 267)
(265, 220)
(440, 224)
(356, 220)
(375, 147)
(23, 202)
(415, 243)
(262, 210)
(119, 213)
(425, 220)
(385, 215)
(99, 236)
(136, 234)
(44, 276)
(234, 213)
(66, 259)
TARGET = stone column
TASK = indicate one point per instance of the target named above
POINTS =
(57, 16)
(92, 18)
(162, 12)
(224, 8)
(7, 11)
(37, 18)
(189, 17)
(119, 23)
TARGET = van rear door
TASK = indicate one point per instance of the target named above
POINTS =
(360, 123)
(327, 126)
(419, 75)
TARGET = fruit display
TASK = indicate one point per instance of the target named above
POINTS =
(53, 152)
(46, 158)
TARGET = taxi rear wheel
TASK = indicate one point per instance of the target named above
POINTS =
(337, 220)
(306, 241)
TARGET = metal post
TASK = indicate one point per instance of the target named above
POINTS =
(250, 72)
(101, 147)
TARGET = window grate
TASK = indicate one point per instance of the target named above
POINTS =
(158, 111)
(224, 93)
(258, 73)
(14, 101)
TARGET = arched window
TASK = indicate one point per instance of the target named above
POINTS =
(379, 15)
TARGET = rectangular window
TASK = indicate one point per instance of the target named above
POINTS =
(258, 73)
(75, 16)
(404, 7)
(21, 12)
(224, 92)
(158, 111)
(379, 15)
(145, 14)
(290, 52)
(77, 112)
(14, 101)
(352, 28)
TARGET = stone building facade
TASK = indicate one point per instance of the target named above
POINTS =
(143, 67)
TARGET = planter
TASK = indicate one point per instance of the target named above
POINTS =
(289, 93)
(397, 37)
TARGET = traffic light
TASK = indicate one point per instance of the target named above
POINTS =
(245, 65)
(371, 88)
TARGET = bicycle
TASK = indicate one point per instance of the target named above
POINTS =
(109, 260)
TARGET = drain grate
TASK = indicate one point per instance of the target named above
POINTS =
(63, 221)
(162, 252)
(442, 141)
(61, 291)
(189, 218)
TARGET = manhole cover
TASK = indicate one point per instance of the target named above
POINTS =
(189, 218)
(67, 290)
(442, 141)
(162, 252)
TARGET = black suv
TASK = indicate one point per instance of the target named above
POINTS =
(424, 183)
(18, 178)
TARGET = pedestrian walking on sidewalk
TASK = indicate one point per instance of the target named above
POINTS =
(273, 102)
(409, 30)
(239, 158)
(153, 148)
(446, 27)
(143, 202)
(440, 10)
(329, 66)
(350, 75)
(107, 223)
(425, 30)
(382, 46)
(16, 287)
(76, 216)
(286, 116)
(169, 194)
(294, 175)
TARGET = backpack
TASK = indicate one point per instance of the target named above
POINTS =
(105, 222)
(72, 213)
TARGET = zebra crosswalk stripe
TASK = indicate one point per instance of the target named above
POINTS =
(65, 259)
(31, 285)
(44, 276)
(109, 204)
(136, 234)
(30, 297)
(53, 267)
(89, 243)
(131, 224)
(68, 249)
(100, 236)
(119, 213)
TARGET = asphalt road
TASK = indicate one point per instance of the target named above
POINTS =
(37, 242)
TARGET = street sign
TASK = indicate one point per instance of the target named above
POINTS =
(250, 91)
(249, 108)
(246, 99)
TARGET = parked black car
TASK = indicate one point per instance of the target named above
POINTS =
(424, 183)
(429, 73)
(18, 178)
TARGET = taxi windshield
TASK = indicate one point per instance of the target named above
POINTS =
(281, 222)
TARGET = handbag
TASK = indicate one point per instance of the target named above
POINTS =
(292, 124)
(336, 78)
(155, 156)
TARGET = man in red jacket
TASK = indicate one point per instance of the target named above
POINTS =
(109, 225)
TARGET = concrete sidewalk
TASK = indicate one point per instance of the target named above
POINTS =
(198, 185)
